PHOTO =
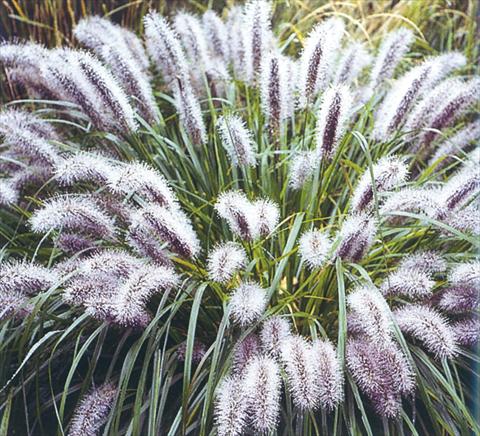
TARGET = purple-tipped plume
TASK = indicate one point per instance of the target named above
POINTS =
(409, 282)
(467, 331)
(357, 235)
(314, 247)
(230, 407)
(142, 180)
(92, 411)
(317, 58)
(237, 140)
(388, 173)
(303, 167)
(168, 225)
(267, 215)
(467, 273)
(459, 299)
(332, 119)
(257, 36)
(217, 36)
(262, 385)
(462, 186)
(198, 351)
(244, 351)
(301, 370)
(353, 60)
(329, 374)
(73, 213)
(274, 331)
(372, 313)
(83, 167)
(426, 261)
(429, 327)
(225, 260)
(247, 303)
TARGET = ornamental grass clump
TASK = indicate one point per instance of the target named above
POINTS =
(240, 221)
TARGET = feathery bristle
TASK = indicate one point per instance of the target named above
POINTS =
(332, 118)
(426, 261)
(462, 186)
(83, 167)
(267, 215)
(429, 327)
(192, 36)
(230, 407)
(198, 351)
(247, 303)
(329, 374)
(409, 282)
(224, 260)
(262, 384)
(314, 247)
(170, 226)
(388, 173)
(8, 195)
(357, 234)
(93, 410)
(274, 331)
(27, 278)
(317, 58)
(303, 167)
(372, 313)
(73, 213)
(467, 273)
(237, 140)
(459, 299)
(301, 369)
(354, 59)
(216, 32)
(143, 180)
(244, 351)
(467, 331)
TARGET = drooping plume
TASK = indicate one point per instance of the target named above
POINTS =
(462, 186)
(237, 140)
(467, 331)
(332, 119)
(225, 260)
(83, 167)
(429, 327)
(388, 173)
(92, 411)
(314, 247)
(247, 303)
(408, 282)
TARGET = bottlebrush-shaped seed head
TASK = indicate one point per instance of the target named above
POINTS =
(315, 246)
(92, 411)
(83, 167)
(332, 119)
(14, 120)
(216, 32)
(393, 48)
(317, 57)
(388, 173)
(457, 101)
(262, 385)
(145, 244)
(237, 140)
(454, 145)
(301, 370)
(459, 299)
(275, 89)
(466, 220)
(302, 168)
(8, 194)
(230, 407)
(190, 112)
(143, 180)
(423, 201)
(467, 273)
(408, 282)
(382, 373)
(429, 327)
(73, 213)
(267, 215)
(14, 304)
(329, 374)
(192, 36)
(72, 243)
(105, 88)
(462, 186)
(27, 278)
(133, 295)
(248, 303)
(168, 225)
(467, 331)
(244, 351)
(429, 262)
(274, 330)
(163, 46)
(353, 60)
(372, 313)
(357, 235)
(225, 260)
(239, 212)
(257, 35)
